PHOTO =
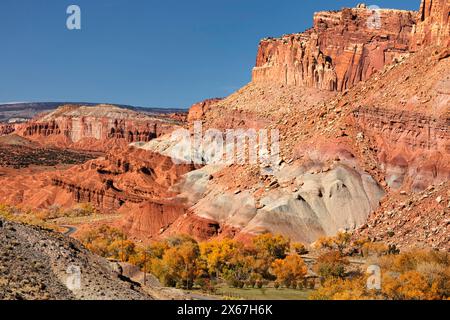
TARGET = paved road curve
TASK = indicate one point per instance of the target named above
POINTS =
(70, 230)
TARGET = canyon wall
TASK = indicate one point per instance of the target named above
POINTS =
(197, 110)
(350, 45)
(90, 127)
(6, 129)
(433, 24)
(419, 156)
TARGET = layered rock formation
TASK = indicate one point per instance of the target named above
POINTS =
(419, 157)
(197, 110)
(349, 46)
(340, 50)
(129, 181)
(123, 177)
(433, 25)
(6, 129)
(95, 128)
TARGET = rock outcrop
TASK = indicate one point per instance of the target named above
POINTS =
(341, 49)
(349, 46)
(433, 24)
(197, 110)
(360, 105)
(412, 219)
(6, 129)
(39, 264)
(95, 128)
(418, 157)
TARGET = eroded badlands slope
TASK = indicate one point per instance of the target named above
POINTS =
(342, 153)
(363, 117)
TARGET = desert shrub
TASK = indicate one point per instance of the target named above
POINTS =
(374, 248)
(331, 265)
(299, 248)
(412, 275)
(274, 247)
(289, 270)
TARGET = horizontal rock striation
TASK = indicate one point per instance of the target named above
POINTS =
(421, 147)
(350, 45)
(341, 49)
(197, 110)
(90, 127)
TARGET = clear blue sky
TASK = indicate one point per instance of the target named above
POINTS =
(143, 52)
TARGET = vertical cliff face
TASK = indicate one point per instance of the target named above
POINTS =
(361, 41)
(6, 129)
(433, 24)
(294, 60)
(197, 110)
(350, 45)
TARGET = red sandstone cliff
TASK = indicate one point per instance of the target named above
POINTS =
(95, 128)
(6, 129)
(433, 24)
(349, 46)
(197, 110)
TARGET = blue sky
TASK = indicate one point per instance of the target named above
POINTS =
(143, 52)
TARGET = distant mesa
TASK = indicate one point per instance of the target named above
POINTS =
(16, 112)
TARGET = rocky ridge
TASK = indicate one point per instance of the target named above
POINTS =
(34, 264)
(95, 128)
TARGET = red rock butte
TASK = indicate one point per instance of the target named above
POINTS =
(348, 46)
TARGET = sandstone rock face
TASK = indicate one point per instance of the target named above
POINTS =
(129, 181)
(433, 25)
(6, 129)
(341, 49)
(92, 128)
(419, 153)
(197, 110)
(124, 176)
